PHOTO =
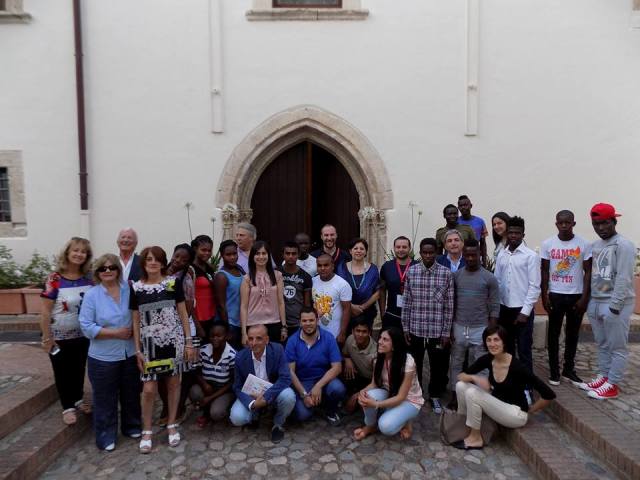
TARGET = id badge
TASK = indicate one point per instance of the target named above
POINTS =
(399, 301)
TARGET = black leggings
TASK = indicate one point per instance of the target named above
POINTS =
(69, 367)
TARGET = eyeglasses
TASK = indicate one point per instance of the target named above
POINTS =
(107, 268)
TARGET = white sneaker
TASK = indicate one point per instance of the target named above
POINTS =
(594, 384)
(110, 448)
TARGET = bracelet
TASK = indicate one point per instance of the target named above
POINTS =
(45, 340)
(138, 352)
(189, 346)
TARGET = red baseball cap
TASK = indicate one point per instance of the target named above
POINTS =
(603, 211)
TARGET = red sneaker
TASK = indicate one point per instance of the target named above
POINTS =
(594, 384)
(605, 392)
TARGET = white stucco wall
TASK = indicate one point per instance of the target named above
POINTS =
(559, 114)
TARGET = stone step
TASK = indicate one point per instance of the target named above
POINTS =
(19, 323)
(595, 424)
(551, 455)
(26, 385)
(28, 451)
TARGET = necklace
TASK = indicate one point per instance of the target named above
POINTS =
(353, 279)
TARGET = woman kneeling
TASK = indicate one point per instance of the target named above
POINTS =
(501, 396)
(394, 388)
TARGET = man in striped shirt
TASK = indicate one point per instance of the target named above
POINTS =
(213, 390)
(427, 316)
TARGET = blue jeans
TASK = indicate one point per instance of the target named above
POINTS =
(466, 339)
(112, 381)
(393, 419)
(285, 401)
(611, 333)
(332, 394)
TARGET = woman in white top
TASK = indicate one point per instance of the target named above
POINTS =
(394, 389)
(499, 232)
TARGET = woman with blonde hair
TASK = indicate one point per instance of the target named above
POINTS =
(105, 319)
(62, 337)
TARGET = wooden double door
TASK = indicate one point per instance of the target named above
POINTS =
(304, 188)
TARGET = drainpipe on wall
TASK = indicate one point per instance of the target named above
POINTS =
(82, 143)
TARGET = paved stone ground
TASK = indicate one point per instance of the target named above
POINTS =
(626, 408)
(316, 450)
(7, 382)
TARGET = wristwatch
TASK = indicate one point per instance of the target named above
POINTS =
(305, 394)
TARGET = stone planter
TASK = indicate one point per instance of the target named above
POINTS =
(32, 302)
(11, 302)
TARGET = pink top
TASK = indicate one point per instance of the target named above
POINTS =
(263, 299)
(415, 392)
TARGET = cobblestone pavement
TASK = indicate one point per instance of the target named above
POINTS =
(626, 408)
(316, 450)
(310, 451)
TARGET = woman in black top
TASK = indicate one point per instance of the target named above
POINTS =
(501, 396)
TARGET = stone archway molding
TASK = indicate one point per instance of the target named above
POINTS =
(308, 123)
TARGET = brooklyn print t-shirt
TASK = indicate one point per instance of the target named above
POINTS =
(565, 258)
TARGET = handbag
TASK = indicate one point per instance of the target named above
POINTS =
(156, 367)
(453, 427)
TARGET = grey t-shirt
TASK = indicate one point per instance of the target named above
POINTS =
(477, 297)
(612, 272)
(295, 284)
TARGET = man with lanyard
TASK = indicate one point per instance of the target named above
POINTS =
(305, 260)
(427, 315)
(329, 237)
(392, 276)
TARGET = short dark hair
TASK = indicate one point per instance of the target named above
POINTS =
(355, 241)
(463, 197)
(326, 255)
(451, 205)
(428, 241)
(201, 240)
(291, 244)
(225, 244)
(159, 254)
(565, 213)
(218, 322)
(308, 309)
(471, 243)
(516, 221)
(495, 329)
(401, 237)
(361, 321)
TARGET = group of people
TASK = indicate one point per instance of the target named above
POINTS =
(250, 335)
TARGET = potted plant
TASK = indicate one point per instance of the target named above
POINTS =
(20, 286)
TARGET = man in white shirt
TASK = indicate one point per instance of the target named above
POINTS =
(518, 274)
(127, 242)
(331, 297)
(566, 278)
(306, 261)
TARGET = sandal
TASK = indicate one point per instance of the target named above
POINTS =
(69, 416)
(174, 438)
(83, 407)
(146, 444)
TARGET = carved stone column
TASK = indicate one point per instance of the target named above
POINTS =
(245, 215)
(373, 225)
(230, 216)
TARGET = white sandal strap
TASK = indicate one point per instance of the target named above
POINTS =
(173, 425)
(146, 432)
(68, 410)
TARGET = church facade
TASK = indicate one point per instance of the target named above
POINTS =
(180, 118)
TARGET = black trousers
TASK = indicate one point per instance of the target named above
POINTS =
(438, 363)
(520, 335)
(69, 366)
(563, 305)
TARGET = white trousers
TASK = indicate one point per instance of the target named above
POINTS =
(473, 402)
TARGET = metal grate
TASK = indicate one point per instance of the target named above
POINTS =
(5, 202)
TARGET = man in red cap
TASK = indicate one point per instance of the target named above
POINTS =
(612, 301)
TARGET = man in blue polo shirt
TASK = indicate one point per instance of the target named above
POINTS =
(315, 362)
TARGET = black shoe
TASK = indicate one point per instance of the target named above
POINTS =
(573, 378)
(277, 434)
(333, 419)
(254, 425)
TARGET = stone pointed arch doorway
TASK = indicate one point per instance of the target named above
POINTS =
(308, 123)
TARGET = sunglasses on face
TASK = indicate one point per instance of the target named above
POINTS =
(107, 268)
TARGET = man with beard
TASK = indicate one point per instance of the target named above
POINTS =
(329, 237)
(392, 276)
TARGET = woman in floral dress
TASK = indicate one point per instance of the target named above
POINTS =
(162, 336)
